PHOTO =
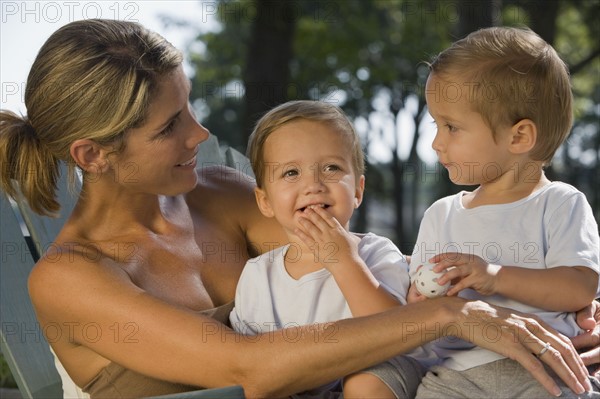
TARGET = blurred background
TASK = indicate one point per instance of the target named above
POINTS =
(367, 56)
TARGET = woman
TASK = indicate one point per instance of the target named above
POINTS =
(153, 249)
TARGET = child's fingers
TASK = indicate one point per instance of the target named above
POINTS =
(305, 238)
(326, 217)
(317, 219)
(456, 273)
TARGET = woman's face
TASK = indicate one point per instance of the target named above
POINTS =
(160, 156)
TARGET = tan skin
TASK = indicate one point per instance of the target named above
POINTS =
(136, 262)
(589, 342)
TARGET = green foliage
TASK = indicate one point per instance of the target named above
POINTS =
(369, 58)
(6, 378)
(345, 51)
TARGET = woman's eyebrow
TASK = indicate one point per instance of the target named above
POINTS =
(168, 120)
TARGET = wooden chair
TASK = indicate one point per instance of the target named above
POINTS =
(25, 235)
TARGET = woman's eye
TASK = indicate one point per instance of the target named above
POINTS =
(169, 127)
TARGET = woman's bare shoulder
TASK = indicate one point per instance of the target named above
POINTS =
(229, 193)
(223, 179)
(222, 188)
(69, 269)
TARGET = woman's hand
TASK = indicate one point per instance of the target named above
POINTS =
(588, 343)
(526, 340)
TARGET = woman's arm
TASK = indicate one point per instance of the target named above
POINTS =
(561, 289)
(98, 309)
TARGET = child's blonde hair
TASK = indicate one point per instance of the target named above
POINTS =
(92, 79)
(311, 110)
(512, 74)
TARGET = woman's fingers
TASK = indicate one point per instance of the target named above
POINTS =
(521, 339)
(557, 352)
(536, 369)
(592, 357)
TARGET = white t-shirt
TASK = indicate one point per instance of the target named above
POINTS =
(268, 298)
(552, 227)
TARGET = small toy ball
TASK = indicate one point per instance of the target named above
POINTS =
(426, 281)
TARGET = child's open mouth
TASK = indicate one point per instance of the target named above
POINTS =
(324, 206)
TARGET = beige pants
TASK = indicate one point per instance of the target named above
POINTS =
(401, 374)
(503, 378)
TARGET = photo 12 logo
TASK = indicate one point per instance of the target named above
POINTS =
(67, 11)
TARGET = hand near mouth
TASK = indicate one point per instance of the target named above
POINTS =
(331, 243)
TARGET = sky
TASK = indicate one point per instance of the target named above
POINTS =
(25, 26)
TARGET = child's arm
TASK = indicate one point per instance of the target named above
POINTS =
(337, 250)
(561, 289)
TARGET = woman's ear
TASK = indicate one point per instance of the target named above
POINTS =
(263, 202)
(359, 192)
(89, 156)
(523, 136)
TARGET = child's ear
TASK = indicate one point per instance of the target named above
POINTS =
(90, 156)
(523, 136)
(263, 202)
(360, 190)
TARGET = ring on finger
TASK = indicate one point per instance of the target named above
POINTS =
(544, 349)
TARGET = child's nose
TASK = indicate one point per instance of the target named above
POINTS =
(437, 143)
(314, 183)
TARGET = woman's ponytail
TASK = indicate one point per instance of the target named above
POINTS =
(93, 79)
(26, 165)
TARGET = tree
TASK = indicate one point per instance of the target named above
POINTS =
(367, 57)
(267, 73)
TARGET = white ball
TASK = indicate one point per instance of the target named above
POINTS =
(426, 281)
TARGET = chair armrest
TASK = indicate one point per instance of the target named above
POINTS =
(233, 392)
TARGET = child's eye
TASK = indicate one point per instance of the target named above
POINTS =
(331, 168)
(290, 173)
(451, 128)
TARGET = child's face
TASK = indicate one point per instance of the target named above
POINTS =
(308, 163)
(464, 142)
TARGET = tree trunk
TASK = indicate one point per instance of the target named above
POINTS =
(543, 14)
(419, 177)
(267, 74)
(477, 14)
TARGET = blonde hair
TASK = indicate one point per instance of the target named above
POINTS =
(311, 110)
(513, 74)
(92, 79)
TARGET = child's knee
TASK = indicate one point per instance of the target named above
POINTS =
(364, 385)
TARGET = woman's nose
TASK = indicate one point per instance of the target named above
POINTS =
(198, 133)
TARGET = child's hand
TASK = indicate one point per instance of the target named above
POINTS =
(414, 295)
(466, 271)
(330, 242)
